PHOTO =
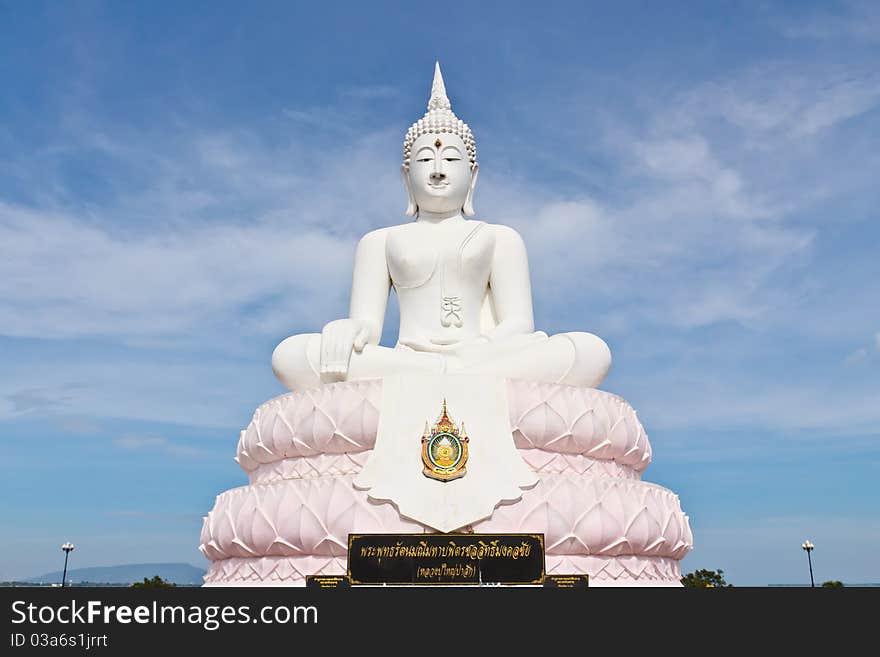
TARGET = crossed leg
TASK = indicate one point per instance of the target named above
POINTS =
(576, 359)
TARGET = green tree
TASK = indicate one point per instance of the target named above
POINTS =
(705, 579)
(833, 583)
(156, 582)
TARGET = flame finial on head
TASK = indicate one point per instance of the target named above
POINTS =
(439, 99)
(439, 119)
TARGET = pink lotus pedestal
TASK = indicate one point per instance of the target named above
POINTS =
(302, 451)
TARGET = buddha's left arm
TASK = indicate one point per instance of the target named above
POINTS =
(511, 288)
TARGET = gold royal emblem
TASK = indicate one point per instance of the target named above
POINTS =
(444, 449)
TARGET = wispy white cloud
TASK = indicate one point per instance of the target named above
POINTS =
(851, 19)
(856, 357)
(36, 400)
(181, 382)
(62, 277)
(77, 424)
(803, 407)
(138, 442)
(774, 101)
(866, 353)
(695, 244)
(370, 92)
(135, 442)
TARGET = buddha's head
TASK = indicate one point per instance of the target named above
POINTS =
(439, 159)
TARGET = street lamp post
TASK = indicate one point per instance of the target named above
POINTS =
(68, 548)
(808, 547)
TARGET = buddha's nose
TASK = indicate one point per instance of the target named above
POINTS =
(437, 177)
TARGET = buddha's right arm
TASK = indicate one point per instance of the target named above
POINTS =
(371, 284)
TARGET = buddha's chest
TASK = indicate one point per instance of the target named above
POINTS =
(453, 255)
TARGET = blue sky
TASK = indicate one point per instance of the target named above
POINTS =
(181, 187)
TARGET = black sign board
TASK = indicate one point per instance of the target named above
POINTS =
(578, 581)
(327, 582)
(431, 559)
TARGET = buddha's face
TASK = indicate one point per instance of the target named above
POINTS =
(440, 178)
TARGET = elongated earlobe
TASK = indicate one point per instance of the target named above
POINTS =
(468, 208)
(411, 207)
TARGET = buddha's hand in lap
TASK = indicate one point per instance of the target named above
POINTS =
(338, 339)
(471, 348)
(465, 349)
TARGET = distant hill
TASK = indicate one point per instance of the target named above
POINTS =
(179, 573)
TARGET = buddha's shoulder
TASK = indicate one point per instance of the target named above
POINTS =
(506, 235)
(375, 239)
(502, 230)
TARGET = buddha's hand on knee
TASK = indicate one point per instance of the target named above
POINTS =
(338, 339)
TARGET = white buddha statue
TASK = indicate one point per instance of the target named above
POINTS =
(462, 285)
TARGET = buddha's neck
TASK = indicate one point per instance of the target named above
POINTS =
(436, 217)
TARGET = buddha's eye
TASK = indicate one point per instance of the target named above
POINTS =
(452, 159)
(424, 159)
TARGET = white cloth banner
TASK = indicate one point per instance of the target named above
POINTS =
(495, 471)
